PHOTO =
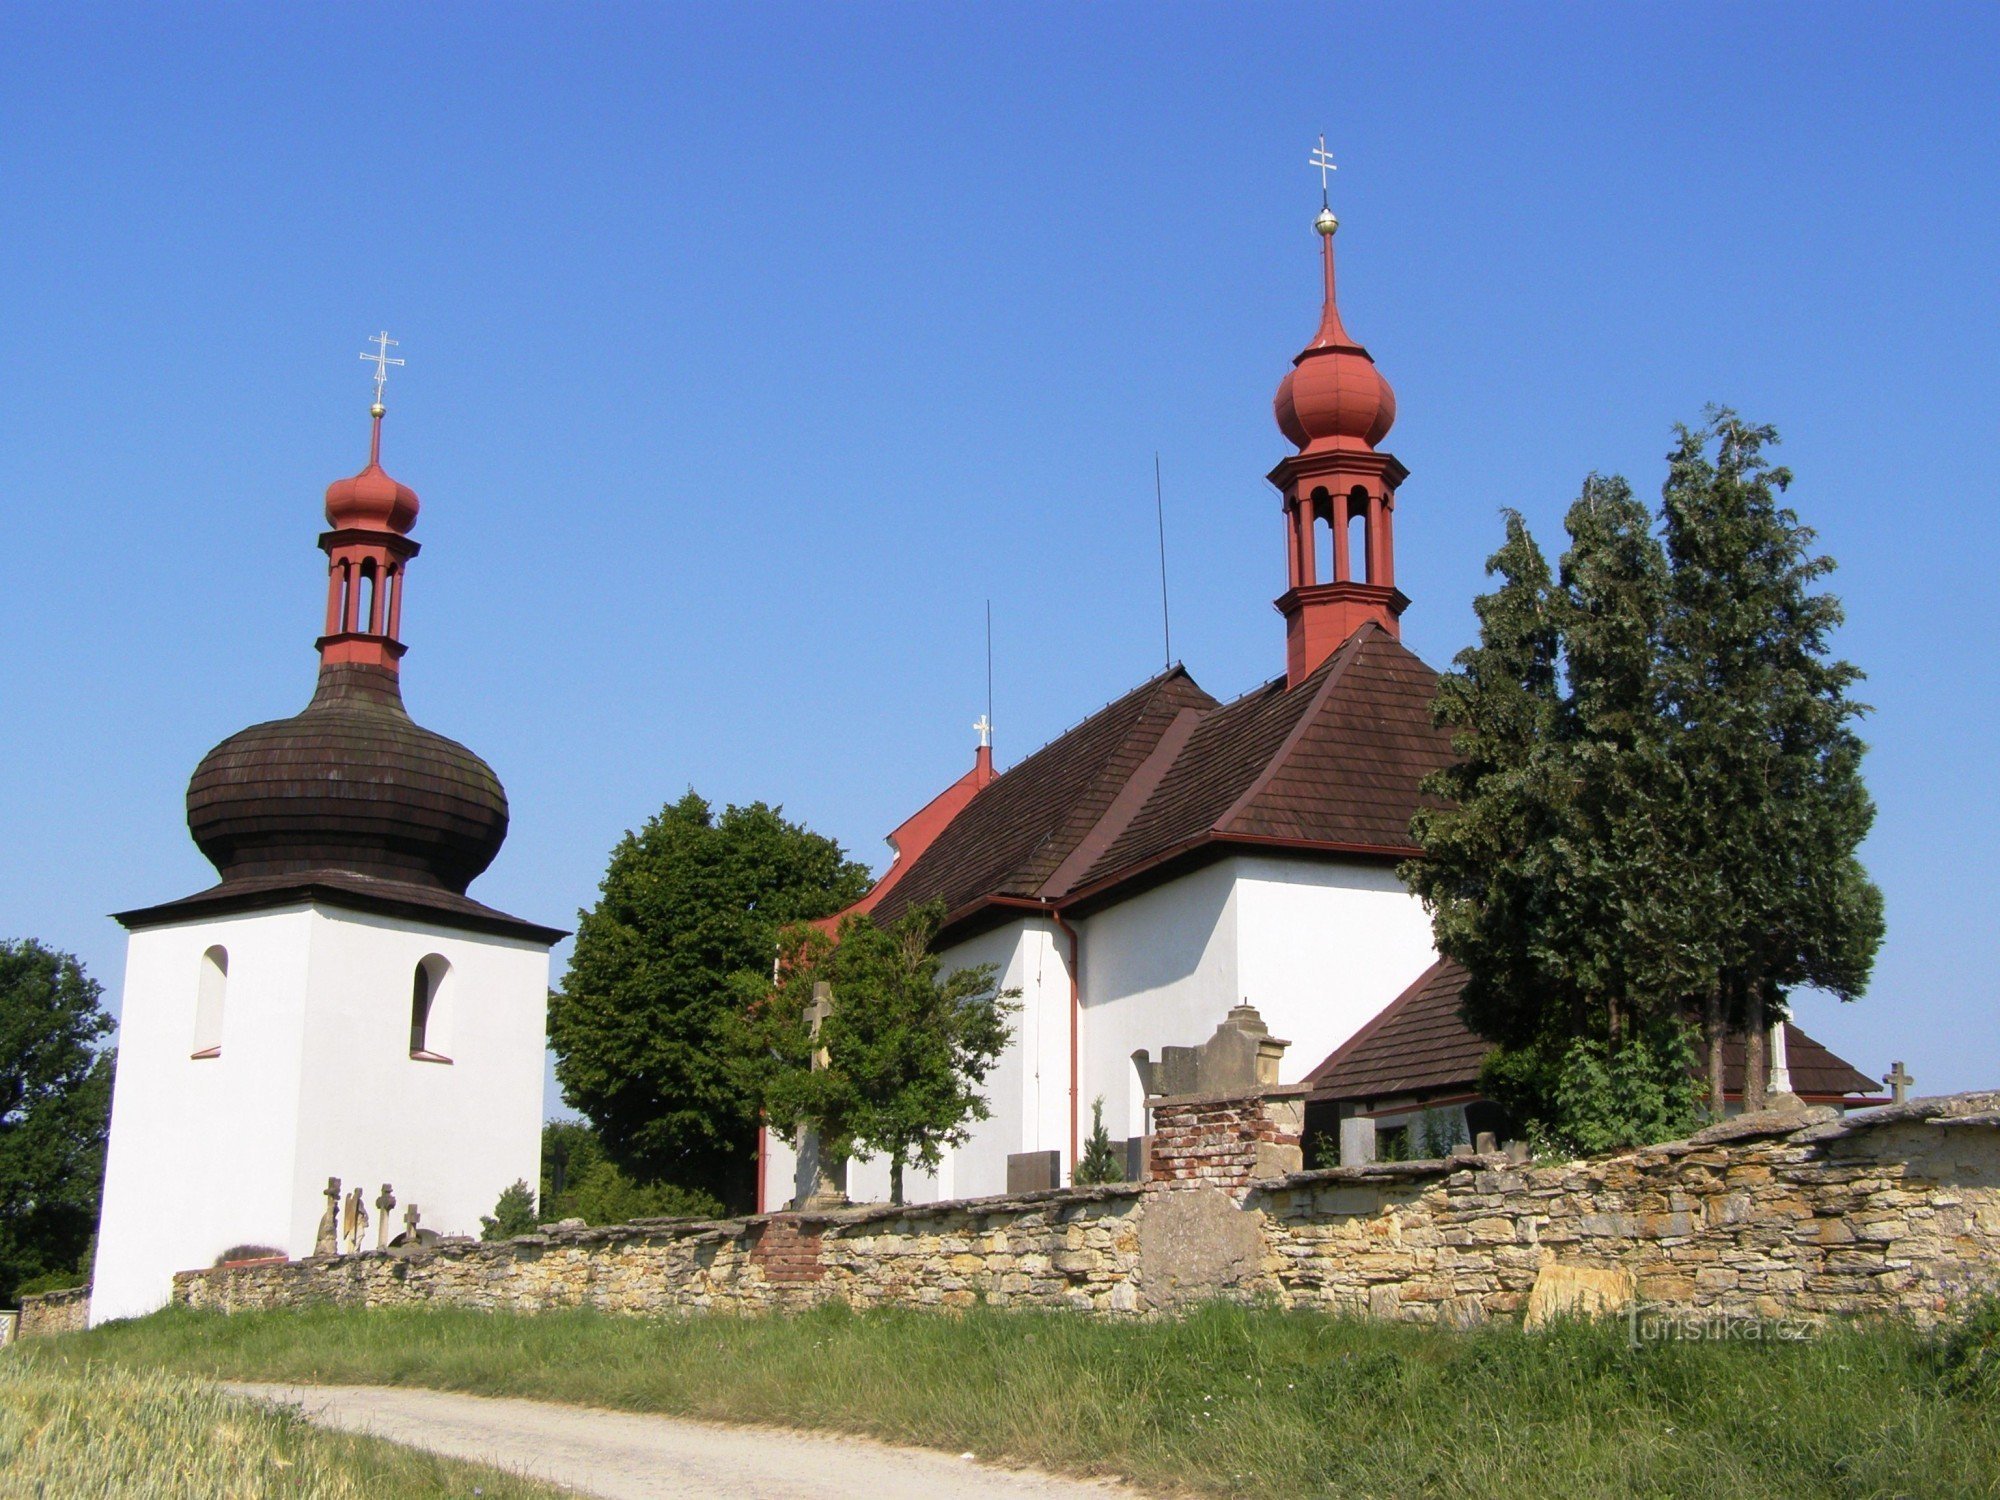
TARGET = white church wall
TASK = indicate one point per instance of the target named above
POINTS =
(1159, 970)
(313, 1079)
(448, 1136)
(1324, 948)
(200, 1156)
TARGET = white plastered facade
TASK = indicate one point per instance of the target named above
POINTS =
(313, 1078)
(1318, 946)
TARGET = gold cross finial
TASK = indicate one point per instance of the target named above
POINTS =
(381, 360)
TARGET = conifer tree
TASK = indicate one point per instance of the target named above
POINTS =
(1773, 808)
(1658, 801)
(1100, 1159)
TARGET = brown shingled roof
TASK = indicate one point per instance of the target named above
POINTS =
(1021, 827)
(1333, 763)
(1418, 1045)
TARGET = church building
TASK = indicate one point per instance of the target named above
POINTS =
(1173, 856)
(336, 1007)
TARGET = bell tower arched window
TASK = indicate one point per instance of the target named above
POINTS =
(210, 986)
(429, 1009)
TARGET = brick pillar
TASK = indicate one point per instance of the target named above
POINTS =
(1227, 1141)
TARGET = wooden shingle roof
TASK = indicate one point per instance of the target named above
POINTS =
(1418, 1045)
(1330, 765)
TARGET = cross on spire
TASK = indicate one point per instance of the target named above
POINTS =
(1322, 159)
(985, 727)
(381, 360)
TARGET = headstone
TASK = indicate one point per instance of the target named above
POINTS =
(1239, 1057)
(1034, 1171)
(1138, 1150)
(383, 1203)
(1899, 1083)
(327, 1241)
(1484, 1143)
(1357, 1141)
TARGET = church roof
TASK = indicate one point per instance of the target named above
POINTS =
(1166, 772)
(419, 901)
(1418, 1045)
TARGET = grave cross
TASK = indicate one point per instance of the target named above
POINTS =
(327, 1241)
(410, 1221)
(1899, 1083)
(816, 1014)
(383, 1204)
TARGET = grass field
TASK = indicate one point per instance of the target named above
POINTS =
(1227, 1401)
(69, 1428)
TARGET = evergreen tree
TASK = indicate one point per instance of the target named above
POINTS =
(513, 1213)
(640, 1027)
(1658, 800)
(55, 1113)
(1773, 808)
(1101, 1159)
(906, 1047)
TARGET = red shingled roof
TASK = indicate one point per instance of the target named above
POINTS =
(1332, 764)
(1418, 1045)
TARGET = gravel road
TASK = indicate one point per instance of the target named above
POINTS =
(631, 1456)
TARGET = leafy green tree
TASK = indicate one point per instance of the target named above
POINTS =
(639, 1026)
(1657, 802)
(907, 1047)
(580, 1182)
(513, 1213)
(1101, 1160)
(55, 1112)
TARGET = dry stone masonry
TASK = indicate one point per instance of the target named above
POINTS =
(1800, 1215)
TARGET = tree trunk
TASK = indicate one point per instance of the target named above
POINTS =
(1711, 1036)
(1756, 1064)
(896, 1180)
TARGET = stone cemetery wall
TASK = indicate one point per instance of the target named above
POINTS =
(1803, 1215)
(46, 1313)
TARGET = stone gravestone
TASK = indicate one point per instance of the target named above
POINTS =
(383, 1203)
(327, 1241)
(1241, 1056)
(1034, 1171)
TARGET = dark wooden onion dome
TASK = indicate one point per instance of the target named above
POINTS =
(352, 783)
(351, 801)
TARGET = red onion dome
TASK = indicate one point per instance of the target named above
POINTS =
(1333, 396)
(371, 501)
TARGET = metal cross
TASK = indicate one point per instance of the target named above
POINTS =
(985, 727)
(1322, 159)
(381, 360)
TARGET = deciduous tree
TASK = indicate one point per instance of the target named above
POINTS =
(906, 1047)
(639, 1026)
(55, 1111)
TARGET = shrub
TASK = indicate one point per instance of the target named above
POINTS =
(1969, 1351)
(513, 1214)
(248, 1252)
(1100, 1161)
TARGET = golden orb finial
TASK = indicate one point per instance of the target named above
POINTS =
(1326, 223)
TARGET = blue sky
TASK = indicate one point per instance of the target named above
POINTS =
(752, 350)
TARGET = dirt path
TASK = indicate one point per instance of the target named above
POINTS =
(631, 1456)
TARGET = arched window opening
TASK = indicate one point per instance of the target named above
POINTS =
(395, 586)
(1322, 542)
(428, 1010)
(346, 599)
(372, 610)
(208, 997)
(1357, 548)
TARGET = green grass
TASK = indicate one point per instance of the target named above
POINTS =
(1227, 1401)
(73, 1428)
